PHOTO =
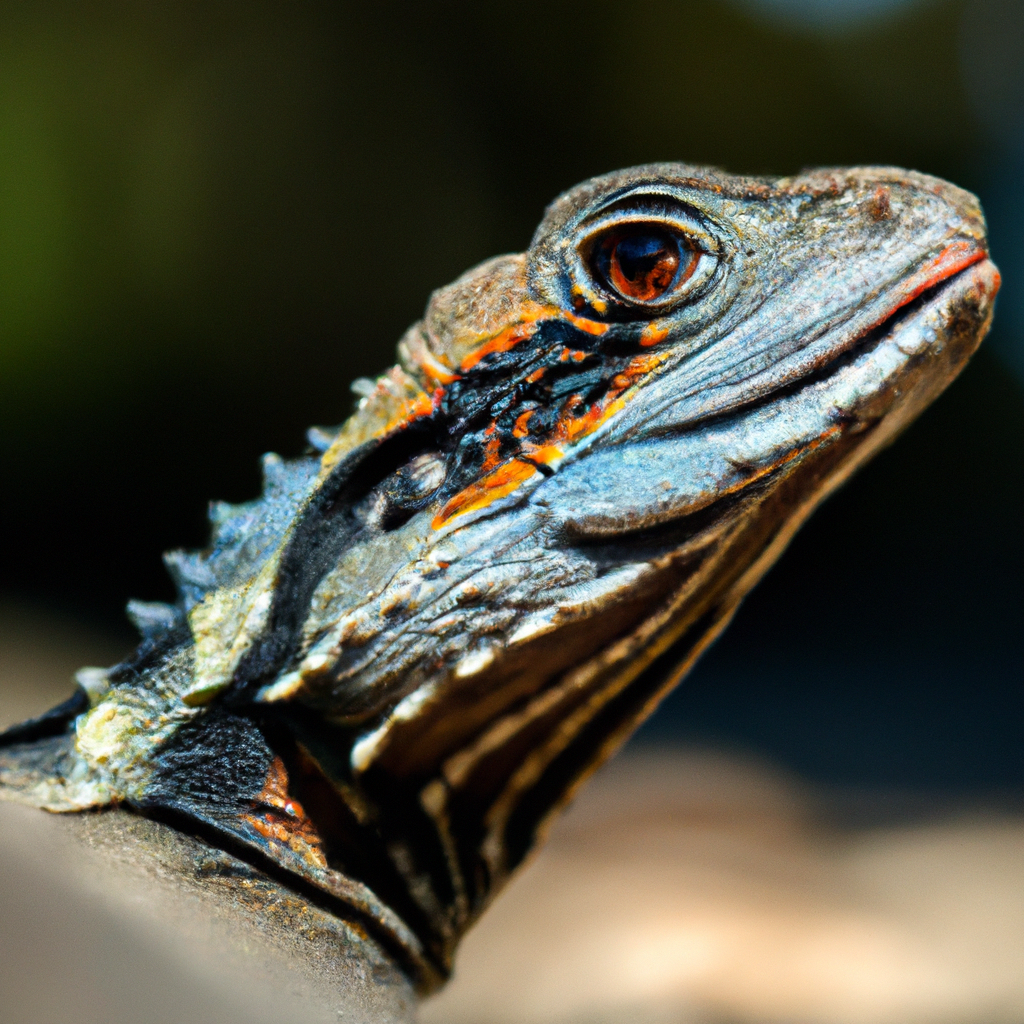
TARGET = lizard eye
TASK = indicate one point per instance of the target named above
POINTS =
(642, 262)
(642, 253)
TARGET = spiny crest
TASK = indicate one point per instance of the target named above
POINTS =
(243, 537)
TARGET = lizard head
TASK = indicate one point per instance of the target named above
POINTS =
(680, 358)
(430, 632)
(656, 298)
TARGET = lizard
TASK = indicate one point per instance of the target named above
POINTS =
(385, 676)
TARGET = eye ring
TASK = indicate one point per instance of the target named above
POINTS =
(642, 261)
(572, 265)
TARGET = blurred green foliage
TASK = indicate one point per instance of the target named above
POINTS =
(204, 187)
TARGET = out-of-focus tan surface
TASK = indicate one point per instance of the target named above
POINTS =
(687, 886)
(105, 919)
(684, 886)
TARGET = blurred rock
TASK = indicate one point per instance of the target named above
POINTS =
(688, 886)
(106, 920)
(112, 918)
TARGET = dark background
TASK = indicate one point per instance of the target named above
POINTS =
(214, 215)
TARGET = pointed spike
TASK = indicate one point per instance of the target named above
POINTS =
(94, 681)
(274, 473)
(219, 512)
(153, 618)
(243, 535)
(321, 438)
(191, 576)
(187, 567)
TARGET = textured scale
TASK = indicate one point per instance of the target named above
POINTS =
(384, 675)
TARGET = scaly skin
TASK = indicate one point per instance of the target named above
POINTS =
(385, 675)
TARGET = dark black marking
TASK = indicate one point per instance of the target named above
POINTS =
(332, 520)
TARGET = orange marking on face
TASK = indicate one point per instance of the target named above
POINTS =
(504, 480)
(433, 368)
(530, 316)
(520, 429)
(571, 427)
(764, 471)
(408, 411)
(501, 480)
(525, 327)
(549, 454)
(955, 257)
(653, 333)
(279, 818)
(581, 323)
(492, 452)
(507, 339)
(529, 320)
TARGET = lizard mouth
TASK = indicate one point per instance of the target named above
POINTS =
(923, 305)
(920, 311)
(886, 369)
(875, 380)
(855, 388)
(756, 367)
(925, 287)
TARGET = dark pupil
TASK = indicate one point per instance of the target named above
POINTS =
(644, 263)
